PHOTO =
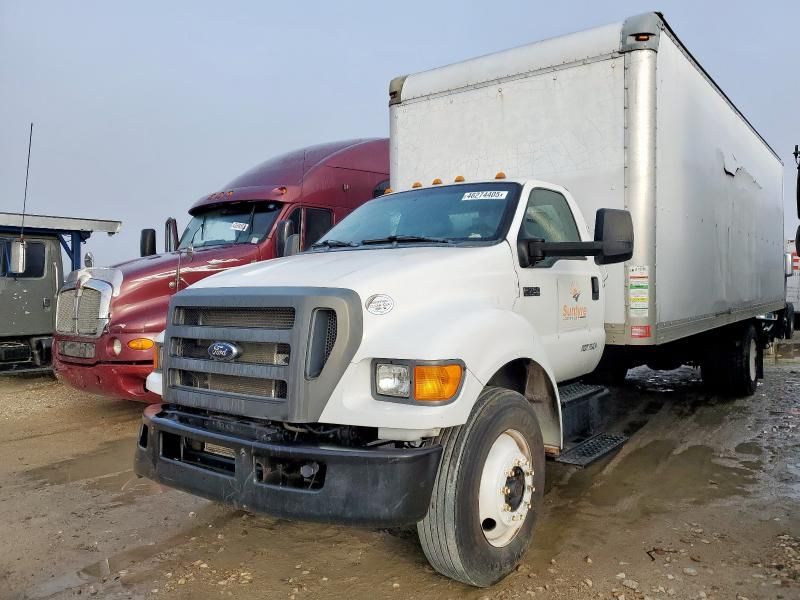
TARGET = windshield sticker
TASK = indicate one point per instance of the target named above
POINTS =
(486, 195)
(240, 226)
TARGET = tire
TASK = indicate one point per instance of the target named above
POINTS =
(744, 363)
(455, 534)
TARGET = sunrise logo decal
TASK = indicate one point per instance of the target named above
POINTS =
(573, 312)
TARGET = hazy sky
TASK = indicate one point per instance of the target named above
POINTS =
(141, 108)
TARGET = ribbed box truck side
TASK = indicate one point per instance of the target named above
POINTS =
(624, 117)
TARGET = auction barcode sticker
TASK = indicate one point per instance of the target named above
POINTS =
(240, 226)
(486, 195)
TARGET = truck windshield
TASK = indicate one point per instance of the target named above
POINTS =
(464, 213)
(238, 224)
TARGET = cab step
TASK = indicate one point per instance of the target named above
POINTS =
(580, 409)
(592, 449)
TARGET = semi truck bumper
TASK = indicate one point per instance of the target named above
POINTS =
(114, 380)
(376, 487)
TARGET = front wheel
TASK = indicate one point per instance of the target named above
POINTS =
(488, 491)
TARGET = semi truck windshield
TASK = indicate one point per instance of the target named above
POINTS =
(240, 224)
(465, 213)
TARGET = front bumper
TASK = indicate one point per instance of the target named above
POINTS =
(376, 487)
(114, 380)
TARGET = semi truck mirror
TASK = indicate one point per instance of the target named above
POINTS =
(170, 235)
(147, 242)
(88, 260)
(286, 239)
(18, 258)
(613, 229)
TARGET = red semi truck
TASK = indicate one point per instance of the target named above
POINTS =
(107, 317)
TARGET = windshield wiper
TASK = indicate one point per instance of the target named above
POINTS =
(399, 239)
(334, 244)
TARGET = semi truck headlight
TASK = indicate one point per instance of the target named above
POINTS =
(393, 380)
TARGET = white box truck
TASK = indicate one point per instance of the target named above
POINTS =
(420, 361)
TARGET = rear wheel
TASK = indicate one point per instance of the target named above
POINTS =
(488, 491)
(744, 362)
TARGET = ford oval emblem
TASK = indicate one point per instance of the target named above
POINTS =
(224, 351)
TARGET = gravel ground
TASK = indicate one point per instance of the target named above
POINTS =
(702, 502)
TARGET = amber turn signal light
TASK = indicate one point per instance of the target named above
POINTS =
(155, 358)
(140, 344)
(435, 383)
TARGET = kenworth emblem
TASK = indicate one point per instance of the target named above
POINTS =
(224, 351)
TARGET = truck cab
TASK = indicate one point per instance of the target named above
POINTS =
(349, 383)
(110, 315)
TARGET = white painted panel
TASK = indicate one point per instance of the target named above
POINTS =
(719, 232)
(523, 59)
(566, 127)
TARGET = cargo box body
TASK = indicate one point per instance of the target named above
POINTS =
(624, 117)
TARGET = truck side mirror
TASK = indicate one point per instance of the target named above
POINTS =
(88, 260)
(613, 242)
(18, 258)
(287, 242)
(613, 228)
(147, 242)
(170, 235)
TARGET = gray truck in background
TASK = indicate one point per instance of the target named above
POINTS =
(28, 294)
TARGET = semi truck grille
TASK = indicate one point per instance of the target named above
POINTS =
(234, 384)
(256, 353)
(65, 312)
(88, 320)
(266, 318)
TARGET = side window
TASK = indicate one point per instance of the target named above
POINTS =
(380, 189)
(34, 260)
(318, 222)
(297, 220)
(548, 217)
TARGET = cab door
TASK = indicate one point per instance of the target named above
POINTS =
(561, 297)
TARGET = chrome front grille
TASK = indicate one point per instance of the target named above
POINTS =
(266, 318)
(87, 318)
(65, 311)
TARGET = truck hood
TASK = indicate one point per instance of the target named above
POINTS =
(410, 275)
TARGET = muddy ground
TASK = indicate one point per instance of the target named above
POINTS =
(702, 502)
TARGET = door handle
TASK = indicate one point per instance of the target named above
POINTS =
(45, 302)
(595, 288)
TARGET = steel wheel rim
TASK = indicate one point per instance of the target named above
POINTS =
(506, 488)
(752, 360)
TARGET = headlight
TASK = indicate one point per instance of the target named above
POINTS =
(393, 380)
(116, 346)
(420, 381)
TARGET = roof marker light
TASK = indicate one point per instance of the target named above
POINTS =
(416, 184)
(436, 181)
(642, 37)
(459, 178)
(500, 175)
(387, 191)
